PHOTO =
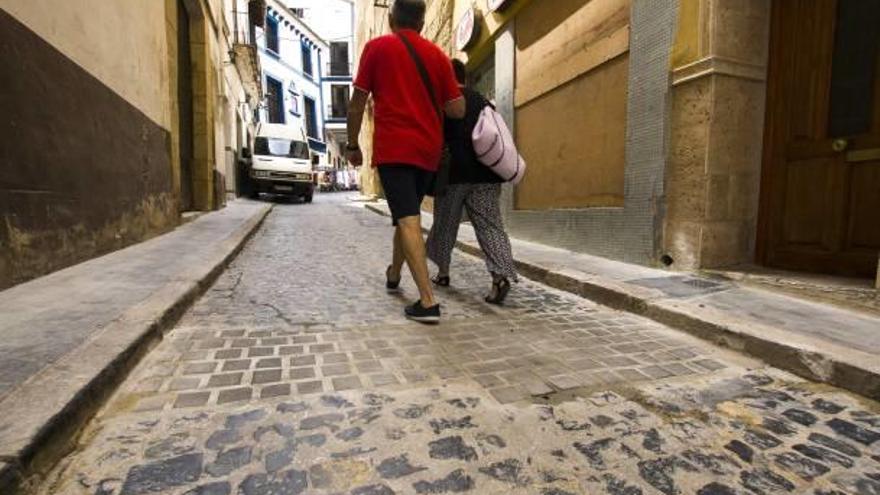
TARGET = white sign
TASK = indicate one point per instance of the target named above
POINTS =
(495, 5)
(468, 29)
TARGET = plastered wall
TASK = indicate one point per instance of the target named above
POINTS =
(101, 37)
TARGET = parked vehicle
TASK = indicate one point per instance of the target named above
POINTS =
(281, 163)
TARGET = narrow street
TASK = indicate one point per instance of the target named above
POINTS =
(296, 373)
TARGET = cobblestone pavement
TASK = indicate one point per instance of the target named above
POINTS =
(296, 374)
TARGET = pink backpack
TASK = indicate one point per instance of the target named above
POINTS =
(495, 148)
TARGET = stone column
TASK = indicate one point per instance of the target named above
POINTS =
(877, 283)
(717, 119)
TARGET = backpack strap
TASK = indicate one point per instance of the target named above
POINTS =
(423, 72)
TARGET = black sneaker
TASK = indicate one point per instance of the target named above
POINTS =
(391, 285)
(419, 313)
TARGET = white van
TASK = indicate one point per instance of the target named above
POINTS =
(281, 162)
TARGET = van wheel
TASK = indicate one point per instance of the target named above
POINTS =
(307, 198)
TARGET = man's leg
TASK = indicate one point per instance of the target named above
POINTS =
(397, 256)
(409, 231)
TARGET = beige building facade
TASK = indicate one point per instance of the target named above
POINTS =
(691, 133)
(118, 116)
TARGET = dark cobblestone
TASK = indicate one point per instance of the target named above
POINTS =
(455, 482)
(162, 475)
(451, 448)
(800, 416)
(508, 470)
(290, 482)
(826, 406)
(397, 467)
(766, 481)
(853, 431)
(218, 488)
(807, 469)
(229, 461)
(742, 450)
(838, 445)
(823, 454)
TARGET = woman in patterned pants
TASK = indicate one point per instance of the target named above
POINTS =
(475, 189)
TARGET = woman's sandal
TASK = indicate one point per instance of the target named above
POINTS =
(501, 288)
(441, 281)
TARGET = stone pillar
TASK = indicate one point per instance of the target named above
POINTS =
(204, 99)
(877, 283)
(717, 119)
(370, 186)
(505, 87)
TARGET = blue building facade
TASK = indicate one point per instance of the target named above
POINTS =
(292, 61)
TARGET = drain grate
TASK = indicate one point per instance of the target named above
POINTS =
(678, 286)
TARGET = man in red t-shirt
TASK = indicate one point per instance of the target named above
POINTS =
(408, 136)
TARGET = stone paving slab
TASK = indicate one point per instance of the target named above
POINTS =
(511, 358)
(69, 336)
(817, 341)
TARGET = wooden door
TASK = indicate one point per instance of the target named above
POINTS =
(820, 204)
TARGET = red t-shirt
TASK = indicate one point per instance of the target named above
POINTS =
(408, 129)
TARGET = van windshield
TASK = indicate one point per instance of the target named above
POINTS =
(281, 147)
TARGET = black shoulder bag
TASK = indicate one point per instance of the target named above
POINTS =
(441, 180)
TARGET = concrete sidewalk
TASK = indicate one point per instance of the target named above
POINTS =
(67, 338)
(816, 341)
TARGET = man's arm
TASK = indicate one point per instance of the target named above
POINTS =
(456, 108)
(355, 118)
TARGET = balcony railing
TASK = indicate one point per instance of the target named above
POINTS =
(336, 112)
(244, 48)
(337, 69)
(243, 32)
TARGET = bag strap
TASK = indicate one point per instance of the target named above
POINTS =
(423, 72)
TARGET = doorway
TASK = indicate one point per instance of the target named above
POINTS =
(820, 192)
(185, 108)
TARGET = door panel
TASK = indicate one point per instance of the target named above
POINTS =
(863, 231)
(820, 207)
(808, 191)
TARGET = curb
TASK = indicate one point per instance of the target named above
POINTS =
(834, 365)
(113, 352)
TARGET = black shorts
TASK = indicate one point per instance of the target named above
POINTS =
(405, 187)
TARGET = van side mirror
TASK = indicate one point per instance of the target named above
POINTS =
(245, 152)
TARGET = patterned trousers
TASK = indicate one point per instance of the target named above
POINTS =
(481, 203)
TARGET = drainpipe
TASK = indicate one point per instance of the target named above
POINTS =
(321, 96)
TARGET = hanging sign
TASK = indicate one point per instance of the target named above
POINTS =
(497, 5)
(468, 29)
